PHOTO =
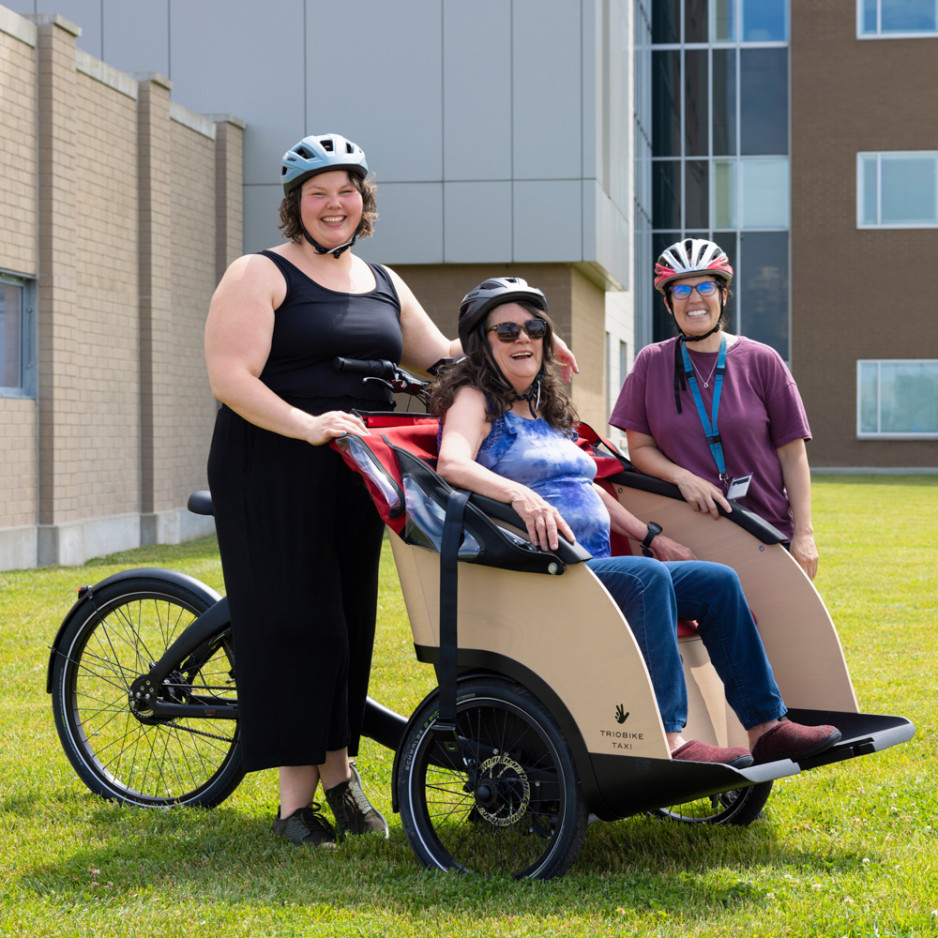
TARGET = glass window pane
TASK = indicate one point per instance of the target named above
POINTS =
(723, 20)
(724, 102)
(696, 111)
(762, 278)
(666, 103)
(763, 85)
(869, 18)
(908, 16)
(695, 20)
(764, 193)
(908, 397)
(666, 21)
(696, 194)
(869, 397)
(723, 197)
(666, 193)
(869, 187)
(765, 20)
(908, 190)
(11, 303)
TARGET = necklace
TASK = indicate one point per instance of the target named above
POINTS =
(706, 381)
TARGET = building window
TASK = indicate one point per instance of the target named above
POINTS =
(897, 399)
(888, 19)
(16, 347)
(720, 149)
(897, 190)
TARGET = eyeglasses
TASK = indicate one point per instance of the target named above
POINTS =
(681, 291)
(509, 331)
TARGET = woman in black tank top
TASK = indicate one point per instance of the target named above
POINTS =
(299, 537)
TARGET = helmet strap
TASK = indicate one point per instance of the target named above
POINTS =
(335, 252)
(697, 338)
(533, 393)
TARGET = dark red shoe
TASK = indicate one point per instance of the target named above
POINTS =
(787, 740)
(696, 751)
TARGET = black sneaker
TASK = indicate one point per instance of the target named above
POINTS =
(305, 827)
(354, 813)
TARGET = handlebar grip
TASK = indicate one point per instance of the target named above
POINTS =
(378, 368)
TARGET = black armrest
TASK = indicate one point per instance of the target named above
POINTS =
(567, 551)
(746, 519)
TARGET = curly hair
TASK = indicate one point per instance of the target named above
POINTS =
(292, 226)
(477, 371)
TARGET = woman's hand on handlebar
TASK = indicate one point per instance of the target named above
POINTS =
(542, 520)
(334, 423)
(701, 495)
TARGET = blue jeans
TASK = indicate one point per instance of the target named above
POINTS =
(653, 596)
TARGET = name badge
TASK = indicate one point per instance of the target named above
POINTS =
(739, 486)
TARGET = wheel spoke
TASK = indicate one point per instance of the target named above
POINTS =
(128, 752)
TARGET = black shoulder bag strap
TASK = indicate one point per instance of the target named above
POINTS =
(445, 729)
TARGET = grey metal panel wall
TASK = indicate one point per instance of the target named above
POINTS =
(484, 122)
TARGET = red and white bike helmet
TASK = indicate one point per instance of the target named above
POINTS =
(691, 257)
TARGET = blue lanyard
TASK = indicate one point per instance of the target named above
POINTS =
(709, 423)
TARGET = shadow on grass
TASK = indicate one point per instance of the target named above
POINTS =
(224, 856)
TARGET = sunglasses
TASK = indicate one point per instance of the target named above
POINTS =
(509, 331)
(681, 291)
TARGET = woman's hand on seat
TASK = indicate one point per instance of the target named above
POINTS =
(542, 520)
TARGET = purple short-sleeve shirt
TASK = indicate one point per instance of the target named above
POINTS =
(760, 411)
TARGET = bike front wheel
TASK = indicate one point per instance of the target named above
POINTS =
(508, 803)
(120, 750)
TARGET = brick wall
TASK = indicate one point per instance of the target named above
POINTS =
(577, 308)
(18, 254)
(855, 293)
(115, 219)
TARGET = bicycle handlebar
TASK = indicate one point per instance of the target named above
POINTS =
(384, 372)
(378, 368)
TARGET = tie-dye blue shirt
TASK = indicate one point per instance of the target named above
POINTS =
(544, 459)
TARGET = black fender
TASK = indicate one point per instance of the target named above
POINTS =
(86, 599)
(477, 664)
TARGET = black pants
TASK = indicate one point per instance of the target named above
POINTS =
(300, 541)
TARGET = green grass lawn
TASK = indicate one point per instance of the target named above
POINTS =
(845, 850)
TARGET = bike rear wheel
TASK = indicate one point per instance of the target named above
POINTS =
(509, 804)
(741, 806)
(119, 749)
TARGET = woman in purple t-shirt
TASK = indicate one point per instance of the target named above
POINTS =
(717, 414)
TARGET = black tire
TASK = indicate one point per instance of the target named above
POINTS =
(740, 806)
(511, 805)
(118, 751)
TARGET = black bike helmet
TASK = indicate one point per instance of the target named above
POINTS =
(487, 295)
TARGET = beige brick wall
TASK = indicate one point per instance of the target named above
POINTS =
(116, 218)
(17, 145)
(18, 254)
(18, 459)
(183, 424)
(576, 305)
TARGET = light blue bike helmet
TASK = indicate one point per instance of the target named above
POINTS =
(320, 154)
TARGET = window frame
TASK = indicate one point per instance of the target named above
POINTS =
(879, 34)
(878, 155)
(27, 350)
(889, 434)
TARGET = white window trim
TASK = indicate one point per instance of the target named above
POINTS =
(879, 154)
(866, 434)
(879, 34)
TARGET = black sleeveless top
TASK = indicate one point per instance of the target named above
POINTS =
(314, 325)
